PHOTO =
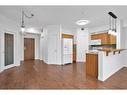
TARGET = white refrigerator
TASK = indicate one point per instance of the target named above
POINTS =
(67, 51)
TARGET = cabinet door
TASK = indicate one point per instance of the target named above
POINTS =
(94, 37)
(92, 65)
(112, 39)
(104, 38)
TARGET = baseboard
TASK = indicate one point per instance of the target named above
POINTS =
(1, 70)
(17, 64)
(54, 64)
(125, 66)
(44, 61)
(109, 75)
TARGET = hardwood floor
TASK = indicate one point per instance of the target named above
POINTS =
(38, 75)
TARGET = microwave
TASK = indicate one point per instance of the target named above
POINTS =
(95, 42)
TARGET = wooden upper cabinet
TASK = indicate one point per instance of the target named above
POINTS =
(112, 39)
(105, 38)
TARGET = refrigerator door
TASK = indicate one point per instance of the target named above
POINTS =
(67, 50)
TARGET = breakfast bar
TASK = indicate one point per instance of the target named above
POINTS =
(104, 63)
(108, 50)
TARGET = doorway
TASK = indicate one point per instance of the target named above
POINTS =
(29, 48)
(9, 49)
(69, 48)
(82, 47)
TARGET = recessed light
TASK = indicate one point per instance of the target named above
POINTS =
(82, 22)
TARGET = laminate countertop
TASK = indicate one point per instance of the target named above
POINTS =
(92, 53)
(108, 50)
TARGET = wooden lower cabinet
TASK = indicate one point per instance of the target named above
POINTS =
(92, 64)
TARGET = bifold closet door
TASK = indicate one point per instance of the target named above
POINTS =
(9, 49)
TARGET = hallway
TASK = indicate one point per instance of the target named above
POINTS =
(38, 75)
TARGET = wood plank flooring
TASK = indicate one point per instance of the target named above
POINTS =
(38, 75)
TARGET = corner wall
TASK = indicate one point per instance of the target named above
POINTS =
(8, 26)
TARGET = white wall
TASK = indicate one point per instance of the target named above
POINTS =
(98, 29)
(54, 44)
(125, 43)
(8, 26)
(108, 65)
(70, 31)
(120, 35)
(51, 44)
(82, 41)
(44, 46)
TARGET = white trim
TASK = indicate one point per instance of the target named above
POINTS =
(11, 65)
(37, 45)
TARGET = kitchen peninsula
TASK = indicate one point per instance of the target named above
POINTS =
(106, 60)
(101, 66)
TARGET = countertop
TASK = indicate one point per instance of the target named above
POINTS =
(92, 53)
(108, 50)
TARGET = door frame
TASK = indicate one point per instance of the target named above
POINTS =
(68, 36)
(12, 65)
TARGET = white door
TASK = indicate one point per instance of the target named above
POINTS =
(67, 50)
(82, 47)
(52, 49)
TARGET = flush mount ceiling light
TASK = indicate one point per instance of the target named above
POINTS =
(82, 22)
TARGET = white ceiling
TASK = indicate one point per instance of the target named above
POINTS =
(65, 15)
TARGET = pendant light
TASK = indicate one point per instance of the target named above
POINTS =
(112, 24)
(23, 21)
(22, 26)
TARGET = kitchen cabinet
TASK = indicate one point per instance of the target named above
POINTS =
(92, 64)
(112, 39)
(106, 39)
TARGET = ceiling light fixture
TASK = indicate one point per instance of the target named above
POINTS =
(31, 30)
(82, 22)
(23, 21)
(112, 24)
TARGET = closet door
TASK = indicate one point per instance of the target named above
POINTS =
(9, 49)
